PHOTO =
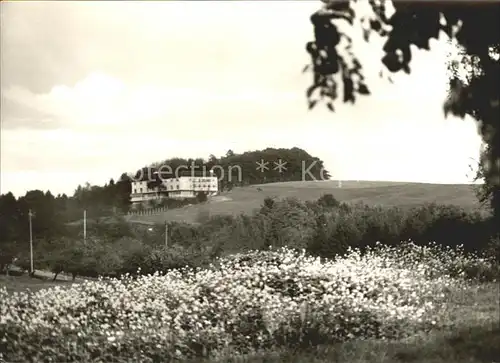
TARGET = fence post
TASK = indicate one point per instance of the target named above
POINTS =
(166, 234)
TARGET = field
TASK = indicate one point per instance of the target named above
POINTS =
(410, 304)
(406, 303)
(247, 199)
(24, 282)
(20, 281)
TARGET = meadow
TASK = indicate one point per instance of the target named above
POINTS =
(295, 281)
(387, 304)
(247, 199)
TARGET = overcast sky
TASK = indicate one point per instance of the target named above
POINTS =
(93, 89)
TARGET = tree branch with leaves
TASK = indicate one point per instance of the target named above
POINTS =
(472, 25)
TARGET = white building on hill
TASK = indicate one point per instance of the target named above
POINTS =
(176, 188)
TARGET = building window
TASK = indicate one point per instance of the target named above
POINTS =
(177, 187)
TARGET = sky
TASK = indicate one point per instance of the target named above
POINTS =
(93, 89)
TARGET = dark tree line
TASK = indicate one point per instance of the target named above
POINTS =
(52, 213)
(109, 199)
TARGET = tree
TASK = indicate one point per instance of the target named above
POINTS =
(328, 201)
(212, 161)
(201, 197)
(156, 182)
(123, 190)
(9, 218)
(43, 206)
(483, 191)
(474, 26)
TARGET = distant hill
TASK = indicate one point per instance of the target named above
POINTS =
(247, 199)
(269, 165)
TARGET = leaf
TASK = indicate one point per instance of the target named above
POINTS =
(348, 90)
(422, 43)
(330, 106)
(347, 14)
(311, 104)
(375, 25)
(366, 35)
(311, 89)
(306, 68)
(363, 89)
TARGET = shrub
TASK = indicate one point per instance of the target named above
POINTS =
(201, 197)
(492, 250)
(328, 231)
(319, 227)
(163, 259)
(8, 252)
(133, 253)
(268, 205)
(264, 299)
(448, 225)
(289, 223)
(362, 226)
(328, 201)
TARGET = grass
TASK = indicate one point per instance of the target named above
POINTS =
(247, 199)
(15, 283)
(19, 281)
(473, 345)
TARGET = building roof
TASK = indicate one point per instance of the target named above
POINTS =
(201, 175)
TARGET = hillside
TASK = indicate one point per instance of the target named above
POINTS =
(247, 199)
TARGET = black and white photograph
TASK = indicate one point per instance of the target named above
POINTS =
(259, 181)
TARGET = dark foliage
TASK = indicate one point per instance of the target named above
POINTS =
(52, 214)
(322, 229)
(474, 25)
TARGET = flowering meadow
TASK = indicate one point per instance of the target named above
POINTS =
(242, 304)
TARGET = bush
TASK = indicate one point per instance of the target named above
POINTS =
(8, 252)
(133, 254)
(164, 259)
(324, 228)
(492, 250)
(201, 197)
(268, 205)
(327, 228)
(448, 225)
(279, 299)
(328, 201)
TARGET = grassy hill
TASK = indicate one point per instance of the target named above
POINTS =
(247, 199)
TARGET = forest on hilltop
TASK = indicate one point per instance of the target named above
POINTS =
(234, 170)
